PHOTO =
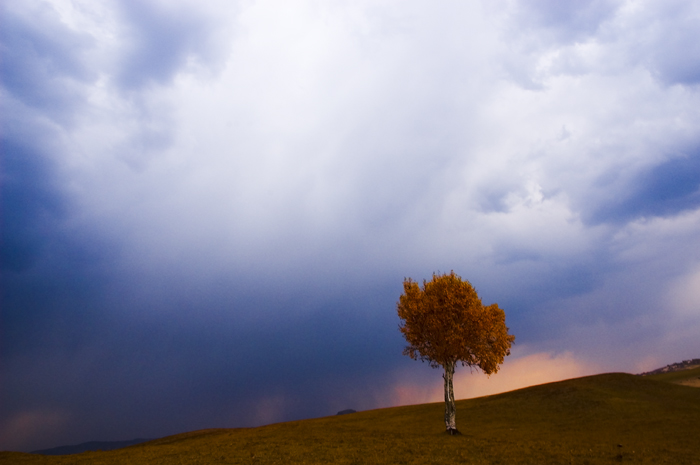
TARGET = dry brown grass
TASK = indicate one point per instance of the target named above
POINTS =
(608, 418)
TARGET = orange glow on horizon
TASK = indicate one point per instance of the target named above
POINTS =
(516, 373)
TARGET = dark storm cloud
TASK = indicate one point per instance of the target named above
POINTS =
(667, 189)
(31, 204)
(159, 376)
(45, 255)
(42, 60)
(161, 39)
(528, 298)
(51, 269)
(673, 45)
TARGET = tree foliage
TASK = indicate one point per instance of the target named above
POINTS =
(445, 323)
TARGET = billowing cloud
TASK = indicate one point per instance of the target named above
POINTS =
(162, 38)
(208, 211)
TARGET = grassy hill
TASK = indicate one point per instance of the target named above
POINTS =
(607, 418)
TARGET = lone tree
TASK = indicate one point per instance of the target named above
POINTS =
(445, 323)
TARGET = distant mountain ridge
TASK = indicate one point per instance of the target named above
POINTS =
(91, 446)
(680, 366)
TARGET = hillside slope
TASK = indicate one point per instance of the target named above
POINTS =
(597, 419)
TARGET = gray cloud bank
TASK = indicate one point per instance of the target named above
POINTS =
(207, 212)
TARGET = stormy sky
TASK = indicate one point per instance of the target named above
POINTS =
(208, 208)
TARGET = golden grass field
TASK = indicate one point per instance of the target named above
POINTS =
(608, 418)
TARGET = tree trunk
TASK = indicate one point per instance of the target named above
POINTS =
(450, 423)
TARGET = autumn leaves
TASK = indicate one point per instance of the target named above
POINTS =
(445, 323)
